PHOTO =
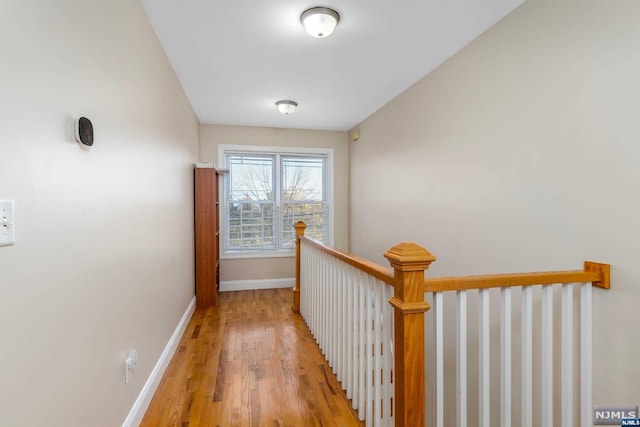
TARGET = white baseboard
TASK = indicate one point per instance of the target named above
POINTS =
(144, 398)
(246, 285)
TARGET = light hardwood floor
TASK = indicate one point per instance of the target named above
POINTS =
(249, 361)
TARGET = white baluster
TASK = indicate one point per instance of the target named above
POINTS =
(567, 355)
(331, 312)
(311, 277)
(547, 356)
(353, 344)
(318, 296)
(325, 306)
(585, 354)
(316, 300)
(439, 338)
(377, 361)
(505, 357)
(314, 279)
(304, 294)
(304, 267)
(484, 358)
(387, 348)
(369, 352)
(362, 361)
(356, 341)
(319, 303)
(342, 301)
(314, 293)
(310, 298)
(527, 358)
(348, 333)
(302, 278)
(322, 291)
(337, 338)
(337, 347)
(307, 278)
(335, 301)
(344, 344)
(335, 329)
(317, 276)
(461, 358)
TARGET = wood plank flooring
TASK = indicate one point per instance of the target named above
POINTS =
(249, 361)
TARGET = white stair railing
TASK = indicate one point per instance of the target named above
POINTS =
(369, 323)
(539, 329)
(348, 313)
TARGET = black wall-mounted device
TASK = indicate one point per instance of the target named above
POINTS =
(84, 131)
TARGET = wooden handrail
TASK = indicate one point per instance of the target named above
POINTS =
(596, 273)
(371, 268)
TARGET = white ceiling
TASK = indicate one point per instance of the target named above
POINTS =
(236, 58)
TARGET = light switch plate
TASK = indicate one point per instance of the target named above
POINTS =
(7, 228)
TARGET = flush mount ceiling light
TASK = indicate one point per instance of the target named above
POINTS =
(286, 106)
(319, 21)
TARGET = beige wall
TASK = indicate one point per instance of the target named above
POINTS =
(103, 259)
(521, 153)
(274, 268)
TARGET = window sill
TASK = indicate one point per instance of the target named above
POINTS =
(258, 254)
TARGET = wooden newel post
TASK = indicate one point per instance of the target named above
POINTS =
(409, 261)
(300, 227)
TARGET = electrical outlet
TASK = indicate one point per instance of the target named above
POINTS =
(129, 365)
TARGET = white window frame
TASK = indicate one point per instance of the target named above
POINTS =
(223, 149)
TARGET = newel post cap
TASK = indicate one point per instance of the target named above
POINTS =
(409, 256)
(300, 226)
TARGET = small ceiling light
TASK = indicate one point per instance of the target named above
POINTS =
(286, 106)
(320, 21)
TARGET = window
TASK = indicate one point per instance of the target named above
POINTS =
(269, 190)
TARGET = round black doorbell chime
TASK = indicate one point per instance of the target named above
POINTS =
(84, 131)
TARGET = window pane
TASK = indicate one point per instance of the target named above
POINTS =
(303, 178)
(312, 213)
(250, 203)
(251, 177)
(302, 198)
(250, 225)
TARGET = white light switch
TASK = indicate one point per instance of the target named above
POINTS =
(7, 233)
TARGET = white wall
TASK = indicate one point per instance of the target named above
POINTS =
(521, 153)
(275, 268)
(103, 260)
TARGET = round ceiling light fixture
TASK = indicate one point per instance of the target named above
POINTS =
(286, 106)
(320, 21)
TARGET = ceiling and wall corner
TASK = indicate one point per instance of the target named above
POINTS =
(235, 59)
